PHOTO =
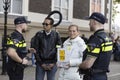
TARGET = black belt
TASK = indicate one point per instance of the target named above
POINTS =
(98, 71)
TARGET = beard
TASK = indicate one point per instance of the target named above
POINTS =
(91, 29)
(23, 30)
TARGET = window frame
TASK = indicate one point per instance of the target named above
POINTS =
(102, 8)
(10, 10)
(70, 10)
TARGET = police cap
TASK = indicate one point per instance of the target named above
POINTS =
(20, 20)
(98, 17)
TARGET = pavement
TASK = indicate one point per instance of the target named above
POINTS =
(114, 73)
(30, 72)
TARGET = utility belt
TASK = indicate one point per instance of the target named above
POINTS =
(15, 68)
(15, 64)
(99, 71)
(91, 71)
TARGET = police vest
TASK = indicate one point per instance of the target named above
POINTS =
(103, 51)
(18, 43)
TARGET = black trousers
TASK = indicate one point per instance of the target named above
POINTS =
(96, 76)
(15, 72)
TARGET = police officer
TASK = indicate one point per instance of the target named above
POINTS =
(17, 50)
(97, 56)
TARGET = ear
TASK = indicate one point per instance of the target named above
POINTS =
(94, 22)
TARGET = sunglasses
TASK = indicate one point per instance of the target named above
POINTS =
(45, 24)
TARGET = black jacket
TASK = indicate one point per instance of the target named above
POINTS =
(46, 46)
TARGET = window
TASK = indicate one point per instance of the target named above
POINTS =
(15, 6)
(64, 6)
(97, 6)
(1, 5)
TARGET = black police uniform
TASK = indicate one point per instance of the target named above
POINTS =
(100, 46)
(15, 70)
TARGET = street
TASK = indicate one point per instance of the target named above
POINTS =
(114, 71)
(30, 72)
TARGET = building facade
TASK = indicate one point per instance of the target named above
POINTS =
(73, 11)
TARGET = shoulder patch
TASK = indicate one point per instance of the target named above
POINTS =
(107, 39)
(91, 46)
(15, 41)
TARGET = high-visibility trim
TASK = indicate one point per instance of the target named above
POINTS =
(88, 48)
(17, 44)
(9, 42)
(107, 48)
(58, 46)
(24, 45)
(96, 50)
(107, 43)
(20, 44)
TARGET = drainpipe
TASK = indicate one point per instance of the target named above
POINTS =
(110, 14)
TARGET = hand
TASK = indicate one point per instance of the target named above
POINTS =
(63, 64)
(32, 50)
(51, 65)
(48, 67)
(24, 61)
(44, 66)
(67, 65)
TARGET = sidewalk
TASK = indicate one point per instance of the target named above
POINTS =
(30, 72)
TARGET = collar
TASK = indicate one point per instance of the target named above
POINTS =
(18, 32)
(74, 40)
(47, 33)
(100, 30)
